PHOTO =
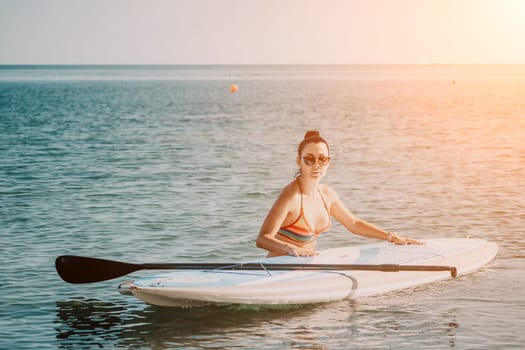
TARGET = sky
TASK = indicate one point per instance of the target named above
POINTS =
(262, 31)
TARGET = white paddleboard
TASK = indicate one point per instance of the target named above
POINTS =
(192, 287)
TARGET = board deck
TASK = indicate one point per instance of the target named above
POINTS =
(200, 287)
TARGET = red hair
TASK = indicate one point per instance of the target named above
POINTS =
(311, 136)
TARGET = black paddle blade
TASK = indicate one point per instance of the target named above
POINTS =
(78, 269)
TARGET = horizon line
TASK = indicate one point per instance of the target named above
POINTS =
(247, 64)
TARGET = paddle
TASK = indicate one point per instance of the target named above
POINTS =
(79, 269)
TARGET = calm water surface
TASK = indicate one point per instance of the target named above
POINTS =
(157, 164)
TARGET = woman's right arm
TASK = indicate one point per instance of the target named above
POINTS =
(274, 220)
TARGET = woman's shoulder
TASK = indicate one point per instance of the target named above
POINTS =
(289, 194)
(328, 191)
(291, 190)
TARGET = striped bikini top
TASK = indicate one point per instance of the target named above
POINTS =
(300, 230)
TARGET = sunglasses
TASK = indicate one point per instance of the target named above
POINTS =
(311, 160)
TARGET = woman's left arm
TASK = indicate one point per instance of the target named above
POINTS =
(355, 225)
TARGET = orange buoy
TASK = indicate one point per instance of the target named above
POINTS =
(234, 88)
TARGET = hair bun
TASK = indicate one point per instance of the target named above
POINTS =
(312, 133)
(311, 136)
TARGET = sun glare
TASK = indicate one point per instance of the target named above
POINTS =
(514, 11)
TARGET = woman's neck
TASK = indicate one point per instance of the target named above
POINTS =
(308, 186)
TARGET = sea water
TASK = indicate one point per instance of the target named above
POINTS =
(164, 164)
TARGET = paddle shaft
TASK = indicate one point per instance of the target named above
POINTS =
(281, 267)
(77, 269)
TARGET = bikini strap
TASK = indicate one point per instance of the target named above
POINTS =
(324, 201)
(320, 194)
(300, 189)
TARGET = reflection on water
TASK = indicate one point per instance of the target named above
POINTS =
(393, 320)
(88, 323)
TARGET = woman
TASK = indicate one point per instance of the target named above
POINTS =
(304, 208)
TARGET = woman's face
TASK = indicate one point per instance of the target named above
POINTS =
(314, 160)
